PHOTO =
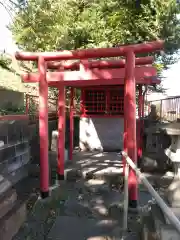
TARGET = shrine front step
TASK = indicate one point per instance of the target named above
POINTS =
(113, 175)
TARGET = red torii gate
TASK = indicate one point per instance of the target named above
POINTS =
(59, 80)
(103, 64)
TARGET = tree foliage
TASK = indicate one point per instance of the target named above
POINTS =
(70, 24)
(48, 25)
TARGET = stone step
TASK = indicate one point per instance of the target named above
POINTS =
(148, 229)
(7, 201)
(154, 228)
(12, 221)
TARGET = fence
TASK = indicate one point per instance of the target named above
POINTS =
(165, 209)
(168, 108)
(32, 105)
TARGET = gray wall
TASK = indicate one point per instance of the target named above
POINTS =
(14, 155)
(105, 134)
(9, 96)
(34, 139)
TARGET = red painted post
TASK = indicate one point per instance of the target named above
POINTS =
(139, 128)
(71, 119)
(130, 123)
(61, 133)
(43, 128)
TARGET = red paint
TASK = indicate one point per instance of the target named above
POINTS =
(103, 101)
(99, 64)
(139, 127)
(143, 75)
(13, 117)
(130, 120)
(71, 119)
(43, 126)
(91, 53)
(61, 131)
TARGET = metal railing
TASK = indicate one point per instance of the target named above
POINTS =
(165, 209)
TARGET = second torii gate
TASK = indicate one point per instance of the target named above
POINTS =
(81, 78)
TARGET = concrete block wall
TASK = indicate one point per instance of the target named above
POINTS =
(14, 150)
(104, 134)
(34, 139)
(9, 96)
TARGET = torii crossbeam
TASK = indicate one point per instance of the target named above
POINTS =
(89, 77)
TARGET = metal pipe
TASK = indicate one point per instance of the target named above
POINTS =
(126, 198)
(166, 210)
(91, 53)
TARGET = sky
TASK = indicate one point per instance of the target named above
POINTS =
(172, 75)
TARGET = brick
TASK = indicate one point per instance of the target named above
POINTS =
(3, 166)
(25, 158)
(12, 221)
(14, 133)
(21, 147)
(18, 175)
(25, 129)
(7, 201)
(7, 152)
(5, 185)
(4, 132)
(13, 164)
(25, 134)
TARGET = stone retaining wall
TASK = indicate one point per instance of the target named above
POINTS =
(34, 139)
(14, 150)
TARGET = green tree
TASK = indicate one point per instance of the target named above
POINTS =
(71, 24)
(48, 25)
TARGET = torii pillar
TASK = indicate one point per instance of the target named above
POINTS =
(130, 123)
(43, 128)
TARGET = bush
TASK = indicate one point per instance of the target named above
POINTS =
(10, 109)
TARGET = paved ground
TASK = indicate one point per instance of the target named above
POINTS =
(87, 206)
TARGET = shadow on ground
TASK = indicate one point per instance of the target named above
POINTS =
(87, 206)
